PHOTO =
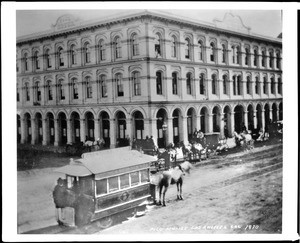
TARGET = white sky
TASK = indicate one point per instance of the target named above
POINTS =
(263, 22)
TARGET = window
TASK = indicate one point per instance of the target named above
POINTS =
(124, 181)
(247, 57)
(48, 58)
(102, 50)
(120, 88)
(36, 60)
(255, 58)
(144, 176)
(200, 53)
(202, 87)
(271, 59)
(239, 85)
(265, 85)
(61, 90)
(113, 184)
(135, 179)
(117, 47)
(49, 88)
(248, 85)
(103, 86)
(87, 53)
(256, 85)
(213, 84)
(233, 54)
(188, 83)
(225, 80)
(27, 92)
(187, 49)
(134, 45)
(89, 88)
(173, 47)
(223, 53)
(174, 84)
(37, 92)
(158, 83)
(272, 85)
(278, 60)
(263, 59)
(60, 57)
(26, 62)
(157, 45)
(234, 84)
(75, 88)
(101, 187)
(73, 55)
(212, 52)
(238, 54)
(279, 86)
(136, 83)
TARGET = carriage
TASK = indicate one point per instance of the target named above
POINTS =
(101, 185)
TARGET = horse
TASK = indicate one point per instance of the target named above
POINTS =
(170, 177)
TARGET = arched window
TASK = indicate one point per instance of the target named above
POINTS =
(119, 83)
(234, 84)
(60, 57)
(36, 60)
(278, 60)
(102, 50)
(239, 85)
(201, 83)
(256, 85)
(279, 86)
(158, 83)
(187, 48)
(48, 59)
(49, 90)
(189, 83)
(223, 53)
(173, 47)
(225, 86)
(73, 55)
(271, 59)
(213, 84)
(37, 91)
(233, 54)
(136, 83)
(265, 85)
(89, 88)
(200, 43)
(157, 45)
(238, 55)
(61, 89)
(87, 53)
(134, 45)
(247, 57)
(255, 58)
(117, 47)
(263, 58)
(103, 86)
(212, 52)
(272, 85)
(27, 92)
(174, 83)
(26, 62)
(74, 88)
(248, 85)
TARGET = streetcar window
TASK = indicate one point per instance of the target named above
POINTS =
(124, 181)
(144, 176)
(113, 184)
(134, 178)
(101, 187)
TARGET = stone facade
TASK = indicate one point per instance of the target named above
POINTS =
(146, 74)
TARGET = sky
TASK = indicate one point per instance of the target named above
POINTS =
(262, 22)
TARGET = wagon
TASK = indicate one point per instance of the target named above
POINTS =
(101, 185)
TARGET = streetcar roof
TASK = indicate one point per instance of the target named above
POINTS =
(105, 161)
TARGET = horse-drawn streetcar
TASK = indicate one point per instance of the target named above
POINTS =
(102, 184)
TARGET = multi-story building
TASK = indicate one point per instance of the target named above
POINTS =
(145, 74)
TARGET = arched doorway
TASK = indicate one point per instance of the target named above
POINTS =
(204, 120)
(227, 122)
(62, 123)
(250, 118)
(121, 129)
(238, 118)
(259, 116)
(18, 129)
(75, 122)
(50, 128)
(138, 125)
(176, 126)
(274, 112)
(105, 128)
(39, 128)
(191, 122)
(280, 112)
(216, 119)
(161, 124)
(28, 134)
(90, 126)
(267, 117)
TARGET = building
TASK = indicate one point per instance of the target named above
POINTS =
(145, 74)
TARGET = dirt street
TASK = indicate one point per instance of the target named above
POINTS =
(252, 205)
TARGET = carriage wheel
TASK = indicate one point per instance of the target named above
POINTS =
(105, 222)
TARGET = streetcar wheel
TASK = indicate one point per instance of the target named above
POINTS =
(105, 222)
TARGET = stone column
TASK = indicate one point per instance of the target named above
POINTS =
(69, 131)
(170, 130)
(56, 132)
(153, 129)
(255, 119)
(23, 131)
(33, 131)
(271, 114)
(232, 122)
(147, 128)
(45, 131)
(97, 129)
(222, 124)
(246, 119)
(112, 133)
(198, 122)
(184, 129)
(129, 128)
(210, 123)
(263, 119)
(82, 130)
